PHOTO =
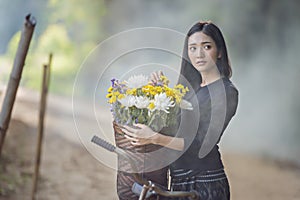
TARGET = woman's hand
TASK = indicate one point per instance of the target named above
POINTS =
(141, 135)
(155, 77)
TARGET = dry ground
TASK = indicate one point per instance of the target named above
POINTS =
(68, 171)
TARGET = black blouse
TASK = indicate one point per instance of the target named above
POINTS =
(214, 106)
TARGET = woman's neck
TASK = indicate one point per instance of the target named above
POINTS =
(210, 77)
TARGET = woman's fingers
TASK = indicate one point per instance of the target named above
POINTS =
(131, 134)
(131, 129)
(138, 136)
(155, 76)
(132, 139)
(160, 73)
(137, 143)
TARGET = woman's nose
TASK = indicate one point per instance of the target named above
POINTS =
(200, 53)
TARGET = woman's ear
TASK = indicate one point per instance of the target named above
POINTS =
(219, 55)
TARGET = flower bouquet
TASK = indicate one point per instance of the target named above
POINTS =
(139, 101)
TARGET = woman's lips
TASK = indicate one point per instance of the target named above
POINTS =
(201, 62)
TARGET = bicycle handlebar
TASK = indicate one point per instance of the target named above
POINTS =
(192, 194)
(120, 152)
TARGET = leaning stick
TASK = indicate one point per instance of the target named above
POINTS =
(15, 77)
(44, 92)
(49, 72)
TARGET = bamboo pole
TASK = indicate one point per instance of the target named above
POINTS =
(40, 131)
(43, 102)
(49, 71)
(15, 77)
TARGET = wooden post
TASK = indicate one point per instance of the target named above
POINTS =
(49, 70)
(43, 102)
(15, 77)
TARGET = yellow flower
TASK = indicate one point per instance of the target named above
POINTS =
(158, 89)
(180, 91)
(153, 92)
(121, 96)
(170, 93)
(110, 89)
(151, 106)
(147, 88)
(109, 95)
(112, 100)
(117, 93)
(178, 96)
(164, 80)
(179, 86)
(131, 91)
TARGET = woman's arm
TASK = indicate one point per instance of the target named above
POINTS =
(170, 142)
(223, 108)
(143, 135)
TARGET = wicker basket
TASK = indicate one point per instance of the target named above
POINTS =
(124, 179)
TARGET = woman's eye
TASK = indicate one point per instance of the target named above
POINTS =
(207, 47)
(192, 48)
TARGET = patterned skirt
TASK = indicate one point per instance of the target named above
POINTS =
(211, 185)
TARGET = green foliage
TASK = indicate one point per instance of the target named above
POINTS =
(81, 17)
(71, 29)
(55, 37)
(13, 45)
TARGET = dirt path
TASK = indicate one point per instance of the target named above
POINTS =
(257, 178)
(68, 170)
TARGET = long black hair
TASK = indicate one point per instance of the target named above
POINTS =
(188, 72)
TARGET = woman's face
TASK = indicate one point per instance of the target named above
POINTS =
(202, 51)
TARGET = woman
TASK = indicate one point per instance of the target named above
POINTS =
(205, 66)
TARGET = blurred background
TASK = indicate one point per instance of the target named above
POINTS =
(262, 39)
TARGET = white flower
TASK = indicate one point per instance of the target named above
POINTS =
(142, 102)
(137, 81)
(163, 102)
(127, 101)
(184, 104)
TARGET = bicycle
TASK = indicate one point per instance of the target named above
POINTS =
(147, 186)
